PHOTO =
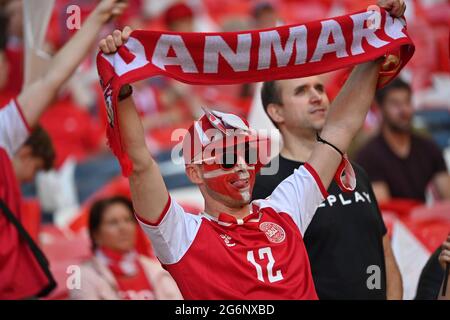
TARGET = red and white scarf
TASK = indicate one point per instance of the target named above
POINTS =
(251, 56)
(128, 271)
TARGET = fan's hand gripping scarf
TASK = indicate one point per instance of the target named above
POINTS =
(252, 56)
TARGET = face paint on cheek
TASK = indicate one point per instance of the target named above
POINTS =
(233, 183)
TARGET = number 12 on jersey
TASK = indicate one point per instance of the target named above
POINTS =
(262, 254)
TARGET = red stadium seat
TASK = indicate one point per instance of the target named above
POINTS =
(118, 186)
(143, 244)
(430, 225)
(63, 249)
(431, 233)
(401, 207)
(59, 269)
(59, 245)
(439, 211)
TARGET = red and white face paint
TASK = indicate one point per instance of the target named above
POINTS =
(214, 137)
(236, 183)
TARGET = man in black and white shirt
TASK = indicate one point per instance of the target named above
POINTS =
(346, 240)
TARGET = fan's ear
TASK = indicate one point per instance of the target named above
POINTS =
(275, 113)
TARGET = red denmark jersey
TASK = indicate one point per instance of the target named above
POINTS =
(259, 257)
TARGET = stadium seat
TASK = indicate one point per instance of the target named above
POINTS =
(63, 249)
(401, 207)
(439, 211)
(431, 233)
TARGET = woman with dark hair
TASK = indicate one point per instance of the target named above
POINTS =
(117, 271)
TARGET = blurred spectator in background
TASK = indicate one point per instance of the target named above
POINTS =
(22, 273)
(73, 130)
(179, 17)
(430, 281)
(37, 153)
(400, 163)
(264, 16)
(117, 271)
(83, 160)
(347, 233)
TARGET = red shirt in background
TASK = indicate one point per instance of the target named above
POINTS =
(21, 276)
(73, 131)
(14, 58)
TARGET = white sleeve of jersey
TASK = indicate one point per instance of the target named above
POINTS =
(173, 234)
(13, 128)
(298, 195)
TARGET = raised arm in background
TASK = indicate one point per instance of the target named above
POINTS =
(349, 109)
(37, 96)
